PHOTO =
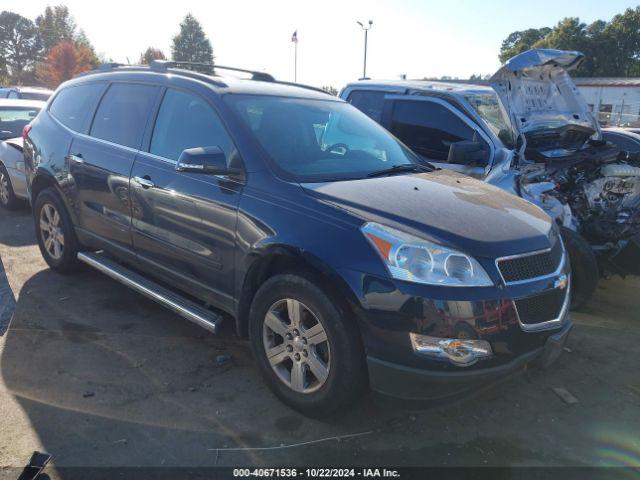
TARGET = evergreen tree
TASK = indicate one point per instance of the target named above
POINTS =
(54, 26)
(192, 44)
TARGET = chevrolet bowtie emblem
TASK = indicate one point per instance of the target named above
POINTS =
(561, 282)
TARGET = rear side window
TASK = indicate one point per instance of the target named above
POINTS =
(123, 112)
(369, 102)
(186, 121)
(429, 128)
(74, 106)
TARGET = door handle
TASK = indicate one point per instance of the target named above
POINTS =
(144, 182)
(76, 158)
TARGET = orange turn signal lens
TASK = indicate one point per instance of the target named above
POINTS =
(382, 245)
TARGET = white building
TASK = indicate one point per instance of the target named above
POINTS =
(616, 99)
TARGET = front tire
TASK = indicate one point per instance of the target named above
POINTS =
(585, 273)
(54, 230)
(8, 198)
(308, 350)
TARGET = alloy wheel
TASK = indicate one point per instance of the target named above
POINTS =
(4, 189)
(296, 345)
(51, 231)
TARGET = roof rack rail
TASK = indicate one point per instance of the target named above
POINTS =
(163, 65)
(302, 85)
(105, 67)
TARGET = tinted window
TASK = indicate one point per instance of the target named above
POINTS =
(36, 96)
(123, 112)
(74, 106)
(13, 94)
(429, 128)
(187, 121)
(319, 140)
(368, 102)
(13, 119)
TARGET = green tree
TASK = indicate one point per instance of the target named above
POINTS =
(192, 44)
(331, 90)
(151, 54)
(612, 49)
(18, 46)
(54, 26)
(520, 41)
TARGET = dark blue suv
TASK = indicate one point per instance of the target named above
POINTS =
(348, 261)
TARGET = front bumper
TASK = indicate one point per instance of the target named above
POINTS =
(411, 383)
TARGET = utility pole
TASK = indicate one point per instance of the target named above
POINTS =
(366, 32)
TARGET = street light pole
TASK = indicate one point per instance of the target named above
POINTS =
(366, 32)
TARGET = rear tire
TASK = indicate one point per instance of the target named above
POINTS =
(320, 336)
(54, 230)
(8, 198)
(585, 273)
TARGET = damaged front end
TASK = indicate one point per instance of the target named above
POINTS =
(564, 166)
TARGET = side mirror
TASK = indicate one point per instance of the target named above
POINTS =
(211, 160)
(467, 152)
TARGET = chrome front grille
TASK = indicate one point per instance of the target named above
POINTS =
(528, 266)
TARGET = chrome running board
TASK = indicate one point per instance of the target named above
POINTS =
(173, 301)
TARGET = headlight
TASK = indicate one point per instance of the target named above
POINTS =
(416, 260)
(459, 352)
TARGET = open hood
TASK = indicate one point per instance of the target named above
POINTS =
(543, 102)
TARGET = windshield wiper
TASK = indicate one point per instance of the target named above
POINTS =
(403, 167)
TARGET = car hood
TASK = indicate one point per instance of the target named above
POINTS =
(543, 102)
(444, 207)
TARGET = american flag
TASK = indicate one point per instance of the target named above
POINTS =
(294, 37)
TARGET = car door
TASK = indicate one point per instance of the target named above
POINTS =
(429, 126)
(184, 224)
(100, 163)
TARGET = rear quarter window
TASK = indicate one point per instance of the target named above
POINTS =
(123, 113)
(74, 105)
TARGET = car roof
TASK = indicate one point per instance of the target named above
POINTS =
(31, 89)
(422, 86)
(220, 84)
(21, 103)
(622, 131)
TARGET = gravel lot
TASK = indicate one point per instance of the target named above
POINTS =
(97, 375)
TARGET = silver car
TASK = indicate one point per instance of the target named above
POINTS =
(14, 115)
(530, 132)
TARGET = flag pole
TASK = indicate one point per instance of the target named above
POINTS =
(295, 63)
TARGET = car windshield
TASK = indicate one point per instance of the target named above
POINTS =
(320, 140)
(488, 107)
(13, 119)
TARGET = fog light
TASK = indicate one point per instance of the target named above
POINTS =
(459, 352)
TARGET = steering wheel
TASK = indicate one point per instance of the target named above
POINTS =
(344, 149)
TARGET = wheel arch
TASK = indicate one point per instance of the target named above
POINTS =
(280, 259)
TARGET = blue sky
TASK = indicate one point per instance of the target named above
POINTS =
(417, 38)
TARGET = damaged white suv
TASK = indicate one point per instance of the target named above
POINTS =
(529, 132)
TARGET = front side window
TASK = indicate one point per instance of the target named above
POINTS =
(13, 119)
(123, 113)
(429, 128)
(187, 121)
(488, 107)
(73, 106)
(368, 102)
(319, 140)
